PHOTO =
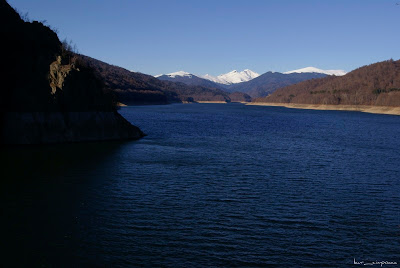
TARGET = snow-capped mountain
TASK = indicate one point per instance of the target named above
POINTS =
(232, 77)
(179, 73)
(316, 70)
(189, 79)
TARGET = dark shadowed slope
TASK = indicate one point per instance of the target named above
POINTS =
(375, 84)
(47, 96)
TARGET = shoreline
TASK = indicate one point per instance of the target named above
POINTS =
(210, 102)
(391, 110)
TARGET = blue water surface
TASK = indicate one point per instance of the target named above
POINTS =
(211, 185)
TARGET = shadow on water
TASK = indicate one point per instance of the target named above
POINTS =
(37, 182)
(26, 163)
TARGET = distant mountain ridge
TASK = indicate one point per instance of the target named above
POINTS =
(267, 83)
(232, 77)
(189, 79)
(250, 82)
(235, 77)
(229, 78)
(173, 75)
(316, 70)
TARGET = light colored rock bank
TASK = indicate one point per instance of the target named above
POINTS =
(359, 108)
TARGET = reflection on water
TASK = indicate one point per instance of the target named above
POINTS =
(52, 161)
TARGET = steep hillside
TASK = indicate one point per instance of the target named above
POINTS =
(138, 88)
(47, 95)
(267, 83)
(375, 84)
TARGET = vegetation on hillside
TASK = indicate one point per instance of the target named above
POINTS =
(375, 84)
(131, 87)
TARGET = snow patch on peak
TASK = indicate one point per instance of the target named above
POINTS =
(316, 70)
(233, 77)
(179, 73)
(208, 77)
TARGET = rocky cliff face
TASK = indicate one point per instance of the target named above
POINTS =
(47, 94)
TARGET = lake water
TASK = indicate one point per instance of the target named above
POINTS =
(211, 185)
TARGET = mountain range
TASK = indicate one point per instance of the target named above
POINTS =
(267, 83)
(232, 77)
(137, 88)
(190, 79)
(249, 82)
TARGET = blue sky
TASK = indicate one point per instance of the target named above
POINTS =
(218, 36)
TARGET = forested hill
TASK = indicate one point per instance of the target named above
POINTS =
(375, 84)
(137, 88)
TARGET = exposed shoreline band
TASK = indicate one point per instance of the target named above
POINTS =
(210, 102)
(359, 108)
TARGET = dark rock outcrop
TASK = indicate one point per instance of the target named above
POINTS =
(47, 94)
